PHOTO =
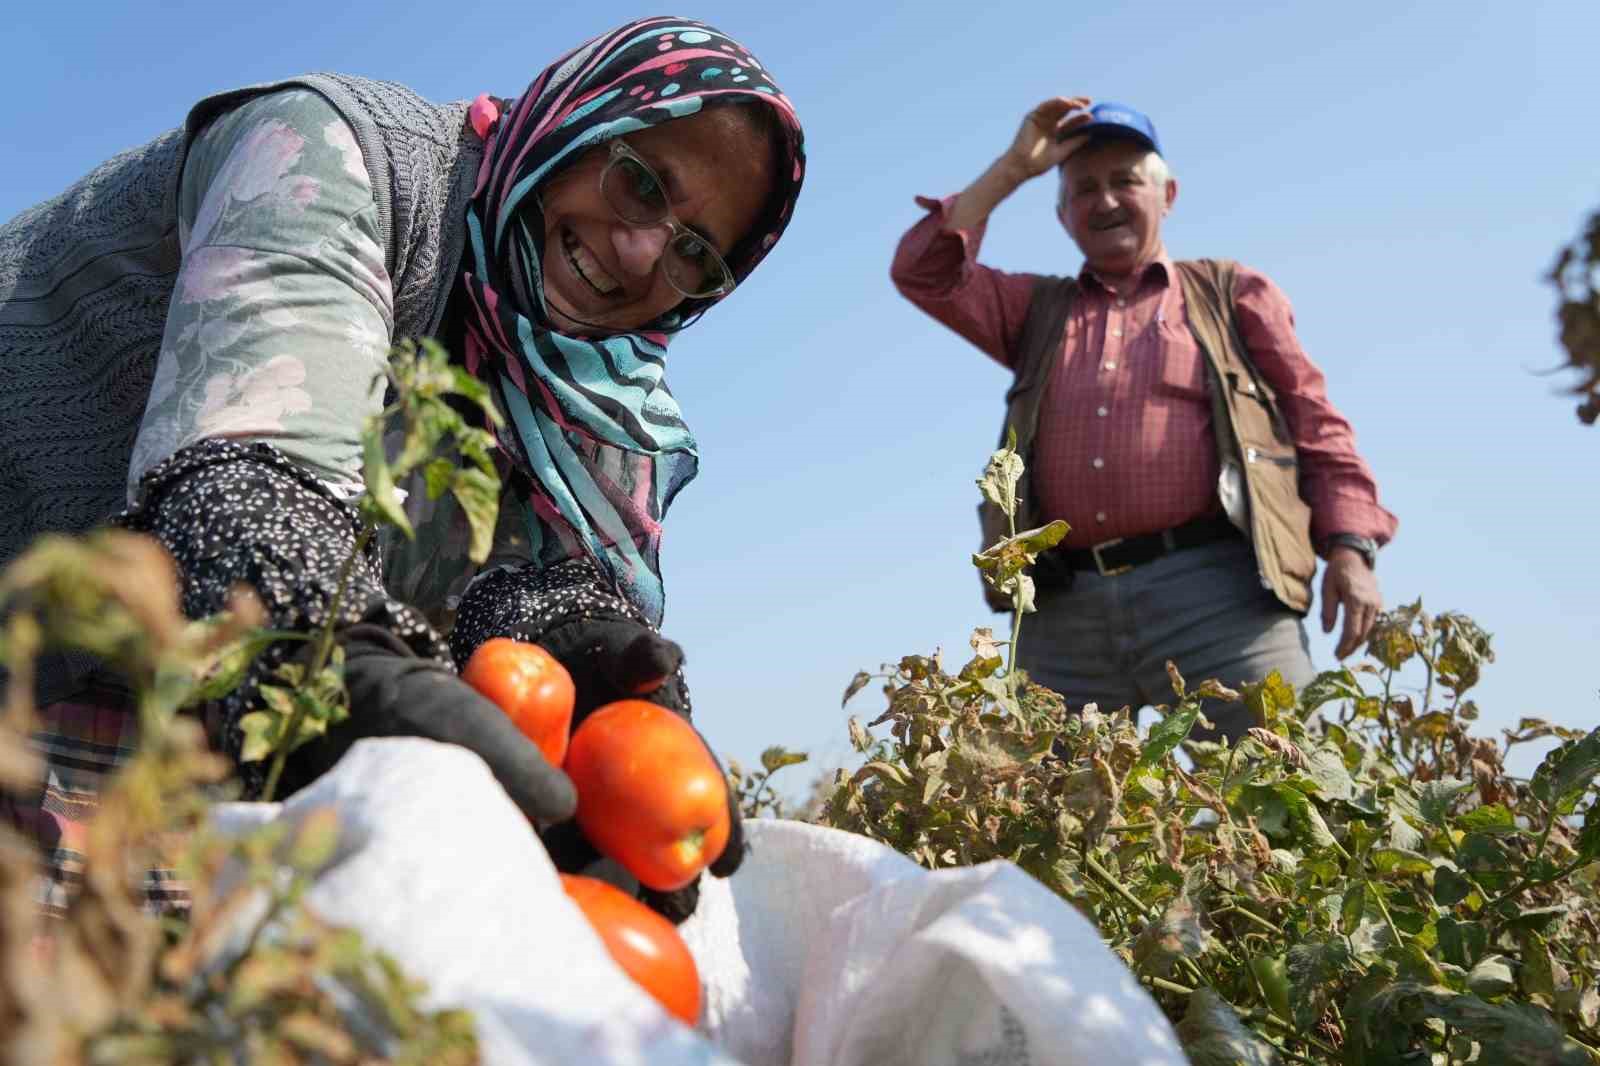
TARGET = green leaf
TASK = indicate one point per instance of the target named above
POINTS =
(1461, 943)
(1588, 845)
(1269, 698)
(860, 739)
(1566, 773)
(1305, 816)
(229, 664)
(1176, 934)
(1435, 797)
(857, 683)
(381, 494)
(1480, 854)
(261, 731)
(1398, 862)
(1313, 968)
(999, 481)
(776, 758)
(436, 475)
(1536, 919)
(1329, 686)
(1353, 908)
(1325, 766)
(1402, 811)
(1168, 733)
(1449, 887)
(1212, 1034)
(1491, 977)
(1494, 819)
(479, 496)
(1518, 1033)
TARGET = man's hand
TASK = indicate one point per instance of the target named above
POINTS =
(1350, 583)
(1043, 140)
(1045, 137)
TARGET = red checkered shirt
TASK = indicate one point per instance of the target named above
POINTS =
(1124, 445)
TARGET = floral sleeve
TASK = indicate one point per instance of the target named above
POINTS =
(282, 314)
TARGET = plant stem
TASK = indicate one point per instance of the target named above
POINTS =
(1383, 909)
(1117, 887)
(319, 660)
(1252, 915)
(1170, 986)
(1290, 1028)
(1016, 618)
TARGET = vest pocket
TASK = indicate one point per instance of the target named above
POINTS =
(1275, 494)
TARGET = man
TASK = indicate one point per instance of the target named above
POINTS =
(1167, 412)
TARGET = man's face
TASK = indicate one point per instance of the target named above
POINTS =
(1111, 207)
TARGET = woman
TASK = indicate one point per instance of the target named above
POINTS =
(203, 318)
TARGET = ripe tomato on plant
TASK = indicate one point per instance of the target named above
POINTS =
(527, 683)
(649, 793)
(643, 943)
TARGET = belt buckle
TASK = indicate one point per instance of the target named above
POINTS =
(1100, 564)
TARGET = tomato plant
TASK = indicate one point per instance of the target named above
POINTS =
(643, 943)
(527, 683)
(649, 793)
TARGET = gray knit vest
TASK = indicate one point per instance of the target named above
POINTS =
(86, 279)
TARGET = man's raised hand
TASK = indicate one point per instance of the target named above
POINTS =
(1045, 136)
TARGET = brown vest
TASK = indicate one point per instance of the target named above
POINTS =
(1254, 448)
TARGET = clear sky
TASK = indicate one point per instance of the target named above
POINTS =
(1404, 171)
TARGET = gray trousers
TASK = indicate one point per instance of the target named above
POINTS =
(1107, 640)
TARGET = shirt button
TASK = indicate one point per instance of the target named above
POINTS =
(1101, 411)
(1121, 302)
(1098, 463)
(1116, 333)
(1111, 366)
(1099, 516)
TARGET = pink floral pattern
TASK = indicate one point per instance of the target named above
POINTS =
(281, 320)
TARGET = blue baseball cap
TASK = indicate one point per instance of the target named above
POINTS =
(1113, 120)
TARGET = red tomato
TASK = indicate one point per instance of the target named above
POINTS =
(649, 793)
(644, 944)
(527, 683)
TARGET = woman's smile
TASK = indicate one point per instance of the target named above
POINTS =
(586, 266)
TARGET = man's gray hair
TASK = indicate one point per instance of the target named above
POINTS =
(1155, 168)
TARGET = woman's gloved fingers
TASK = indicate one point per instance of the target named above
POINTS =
(570, 851)
(732, 855)
(438, 705)
(675, 906)
(616, 659)
(645, 664)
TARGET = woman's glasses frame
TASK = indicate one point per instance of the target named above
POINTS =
(682, 242)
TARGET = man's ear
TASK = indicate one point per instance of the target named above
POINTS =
(1172, 192)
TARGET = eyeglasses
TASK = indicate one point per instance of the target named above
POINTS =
(636, 194)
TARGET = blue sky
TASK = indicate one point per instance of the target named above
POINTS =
(1404, 171)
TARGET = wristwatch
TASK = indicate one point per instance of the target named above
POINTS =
(1364, 545)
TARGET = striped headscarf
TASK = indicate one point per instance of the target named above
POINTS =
(591, 419)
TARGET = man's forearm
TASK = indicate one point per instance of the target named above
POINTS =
(978, 200)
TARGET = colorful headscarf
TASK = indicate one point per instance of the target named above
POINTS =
(591, 419)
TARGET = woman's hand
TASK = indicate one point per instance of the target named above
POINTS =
(395, 692)
(613, 659)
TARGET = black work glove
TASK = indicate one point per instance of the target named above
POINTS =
(615, 659)
(396, 693)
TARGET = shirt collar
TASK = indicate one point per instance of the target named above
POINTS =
(1159, 270)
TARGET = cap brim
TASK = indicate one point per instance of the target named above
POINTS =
(1096, 132)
